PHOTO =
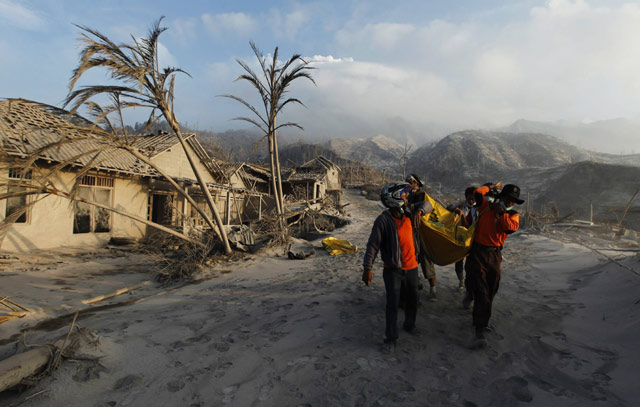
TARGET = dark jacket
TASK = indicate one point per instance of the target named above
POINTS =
(384, 239)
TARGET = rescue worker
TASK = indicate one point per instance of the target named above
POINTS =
(415, 196)
(394, 237)
(496, 221)
(468, 214)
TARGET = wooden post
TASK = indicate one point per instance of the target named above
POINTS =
(528, 217)
(184, 215)
(591, 212)
(259, 207)
(235, 202)
(228, 209)
(626, 209)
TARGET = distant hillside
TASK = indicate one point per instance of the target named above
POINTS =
(609, 187)
(298, 153)
(236, 145)
(468, 157)
(613, 136)
(379, 152)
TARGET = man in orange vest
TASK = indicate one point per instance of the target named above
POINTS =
(394, 237)
(497, 220)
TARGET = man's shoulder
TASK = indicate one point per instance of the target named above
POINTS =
(383, 215)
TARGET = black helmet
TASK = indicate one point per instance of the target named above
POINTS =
(416, 178)
(391, 194)
(512, 192)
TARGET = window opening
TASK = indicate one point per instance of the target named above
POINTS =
(17, 203)
(90, 218)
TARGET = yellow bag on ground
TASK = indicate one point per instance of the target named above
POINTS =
(338, 246)
(445, 241)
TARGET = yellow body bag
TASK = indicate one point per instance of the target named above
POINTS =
(445, 241)
(338, 246)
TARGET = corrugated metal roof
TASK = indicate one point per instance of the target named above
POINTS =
(154, 144)
(28, 127)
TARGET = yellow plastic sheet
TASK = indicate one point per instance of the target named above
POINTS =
(338, 246)
(445, 241)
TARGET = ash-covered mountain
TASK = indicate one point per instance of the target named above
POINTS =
(614, 136)
(552, 174)
(378, 152)
(473, 156)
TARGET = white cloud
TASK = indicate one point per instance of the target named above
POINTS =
(565, 60)
(236, 23)
(222, 72)
(183, 28)
(165, 58)
(370, 93)
(381, 37)
(289, 24)
(294, 21)
(17, 15)
(328, 59)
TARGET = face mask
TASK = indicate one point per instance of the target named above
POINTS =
(506, 208)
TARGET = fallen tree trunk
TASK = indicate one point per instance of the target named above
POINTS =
(15, 369)
(27, 364)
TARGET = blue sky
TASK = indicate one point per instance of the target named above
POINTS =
(406, 69)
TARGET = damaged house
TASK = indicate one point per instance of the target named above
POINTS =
(314, 181)
(116, 179)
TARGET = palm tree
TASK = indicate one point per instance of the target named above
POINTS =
(144, 84)
(272, 87)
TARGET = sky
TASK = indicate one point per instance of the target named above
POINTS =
(406, 68)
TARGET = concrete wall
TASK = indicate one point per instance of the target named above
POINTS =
(50, 221)
(333, 179)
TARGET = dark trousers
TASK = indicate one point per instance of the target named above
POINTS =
(483, 274)
(428, 268)
(393, 279)
(460, 269)
(460, 274)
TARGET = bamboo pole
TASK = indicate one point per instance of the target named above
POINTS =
(115, 293)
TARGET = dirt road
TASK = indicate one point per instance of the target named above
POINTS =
(274, 331)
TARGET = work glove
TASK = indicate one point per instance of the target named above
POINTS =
(367, 276)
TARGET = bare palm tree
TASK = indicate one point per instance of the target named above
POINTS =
(404, 158)
(143, 84)
(272, 87)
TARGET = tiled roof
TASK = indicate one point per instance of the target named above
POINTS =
(28, 127)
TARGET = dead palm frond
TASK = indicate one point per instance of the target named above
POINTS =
(272, 86)
(142, 84)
